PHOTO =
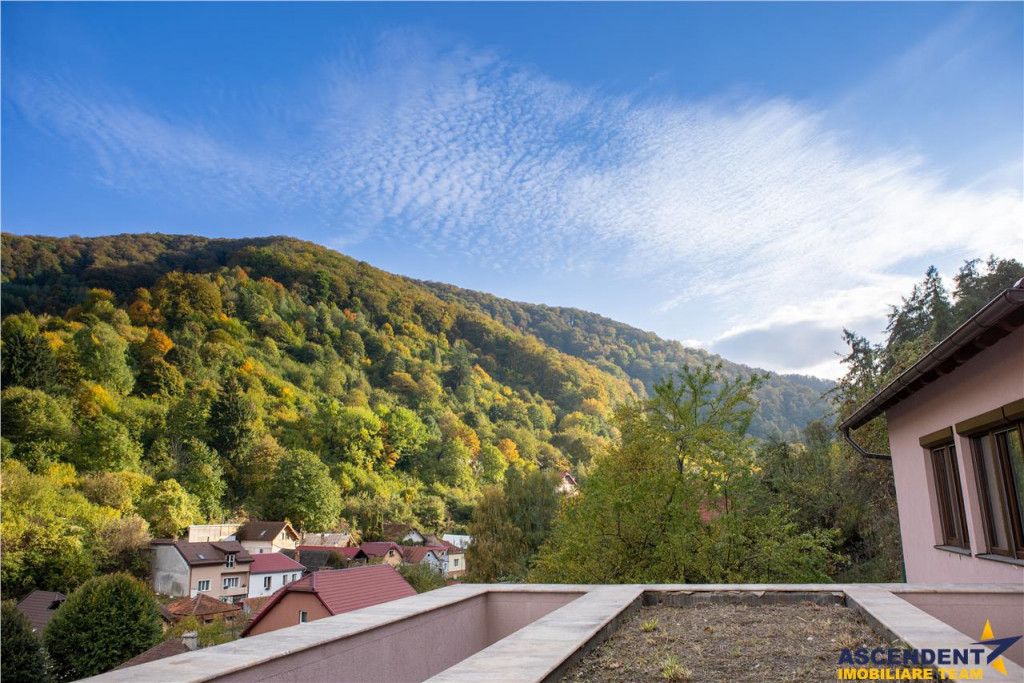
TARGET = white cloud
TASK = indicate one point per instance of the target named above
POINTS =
(755, 209)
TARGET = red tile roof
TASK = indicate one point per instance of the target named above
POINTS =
(264, 563)
(380, 548)
(344, 590)
(39, 606)
(168, 648)
(202, 605)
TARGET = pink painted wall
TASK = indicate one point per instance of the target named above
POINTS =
(991, 379)
(412, 649)
(286, 612)
(967, 613)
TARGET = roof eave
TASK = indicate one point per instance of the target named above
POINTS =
(995, 320)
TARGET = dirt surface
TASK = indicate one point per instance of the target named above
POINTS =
(722, 642)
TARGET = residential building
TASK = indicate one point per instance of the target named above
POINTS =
(401, 533)
(327, 593)
(184, 569)
(435, 558)
(39, 606)
(388, 552)
(454, 557)
(212, 533)
(460, 540)
(567, 484)
(271, 571)
(203, 607)
(315, 558)
(342, 539)
(267, 537)
(188, 642)
(954, 421)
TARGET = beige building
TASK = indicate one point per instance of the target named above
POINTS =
(184, 569)
(267, 537)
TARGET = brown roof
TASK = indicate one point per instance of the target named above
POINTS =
(207, 553)
(415, 554)
(202, 605)
(264, 531)
(344, 590)
(252, 605)
(168, 648)
(380, 548)
(315, 558)
(39, 606)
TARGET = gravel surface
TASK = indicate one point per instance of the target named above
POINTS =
(724, 642)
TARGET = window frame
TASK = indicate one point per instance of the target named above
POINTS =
(1008, 505)
(267, 582)
(200, 588)
(949, 495)
(230, 582)
(303, 616)
(229, 561)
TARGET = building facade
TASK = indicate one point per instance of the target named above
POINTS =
(954, 421)
(184, 569)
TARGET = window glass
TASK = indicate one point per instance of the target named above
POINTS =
(1016, 456)
(988, 466)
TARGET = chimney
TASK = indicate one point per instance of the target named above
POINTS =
(190, 639)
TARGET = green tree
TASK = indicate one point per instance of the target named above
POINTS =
(235, 425)
(107, 621)
(184, 296)
(200, 473)
(21, 653)
(102, 353)
(169, 508)
(422, 577)
(27, 360)
(673, 502)
(302, 492)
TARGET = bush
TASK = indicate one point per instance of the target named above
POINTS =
(422, 577)
(106, 622)
(21, 653)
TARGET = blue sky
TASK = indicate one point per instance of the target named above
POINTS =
(749, 178)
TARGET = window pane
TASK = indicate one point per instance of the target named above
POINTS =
(942, 492)
(989, 468)
(1016, 455)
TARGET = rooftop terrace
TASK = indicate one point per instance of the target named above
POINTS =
(535, 632)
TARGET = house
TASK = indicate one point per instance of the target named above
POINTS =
(401, 533)
(954, 421)
(435, 558)
(327, 593)
(203, 607)
(267, 537)
(184, 569)
(390, 553)
(460, 540)
(455, 566)
(315, 558)
(341, 539)
(39, 607)
(212, 533)
(453, 556)
(270, 571)
(168, 648)
(567, 484)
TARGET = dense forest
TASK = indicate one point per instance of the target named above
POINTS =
(785, 403)
(154, 381)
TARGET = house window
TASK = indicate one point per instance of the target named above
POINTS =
(302, 617)
(284, 579)
(230, 562)
(294, 576)
(455, 562)
(231, 582)
(951, 499)
(203, 585)
(999, 457)
(266, 583)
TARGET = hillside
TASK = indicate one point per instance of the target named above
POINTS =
(787, 402)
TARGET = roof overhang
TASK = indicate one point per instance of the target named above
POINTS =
(997, 319)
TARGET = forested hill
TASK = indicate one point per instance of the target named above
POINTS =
(787, 402)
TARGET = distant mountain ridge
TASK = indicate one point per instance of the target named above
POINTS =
(788, 402)
(45, 274)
